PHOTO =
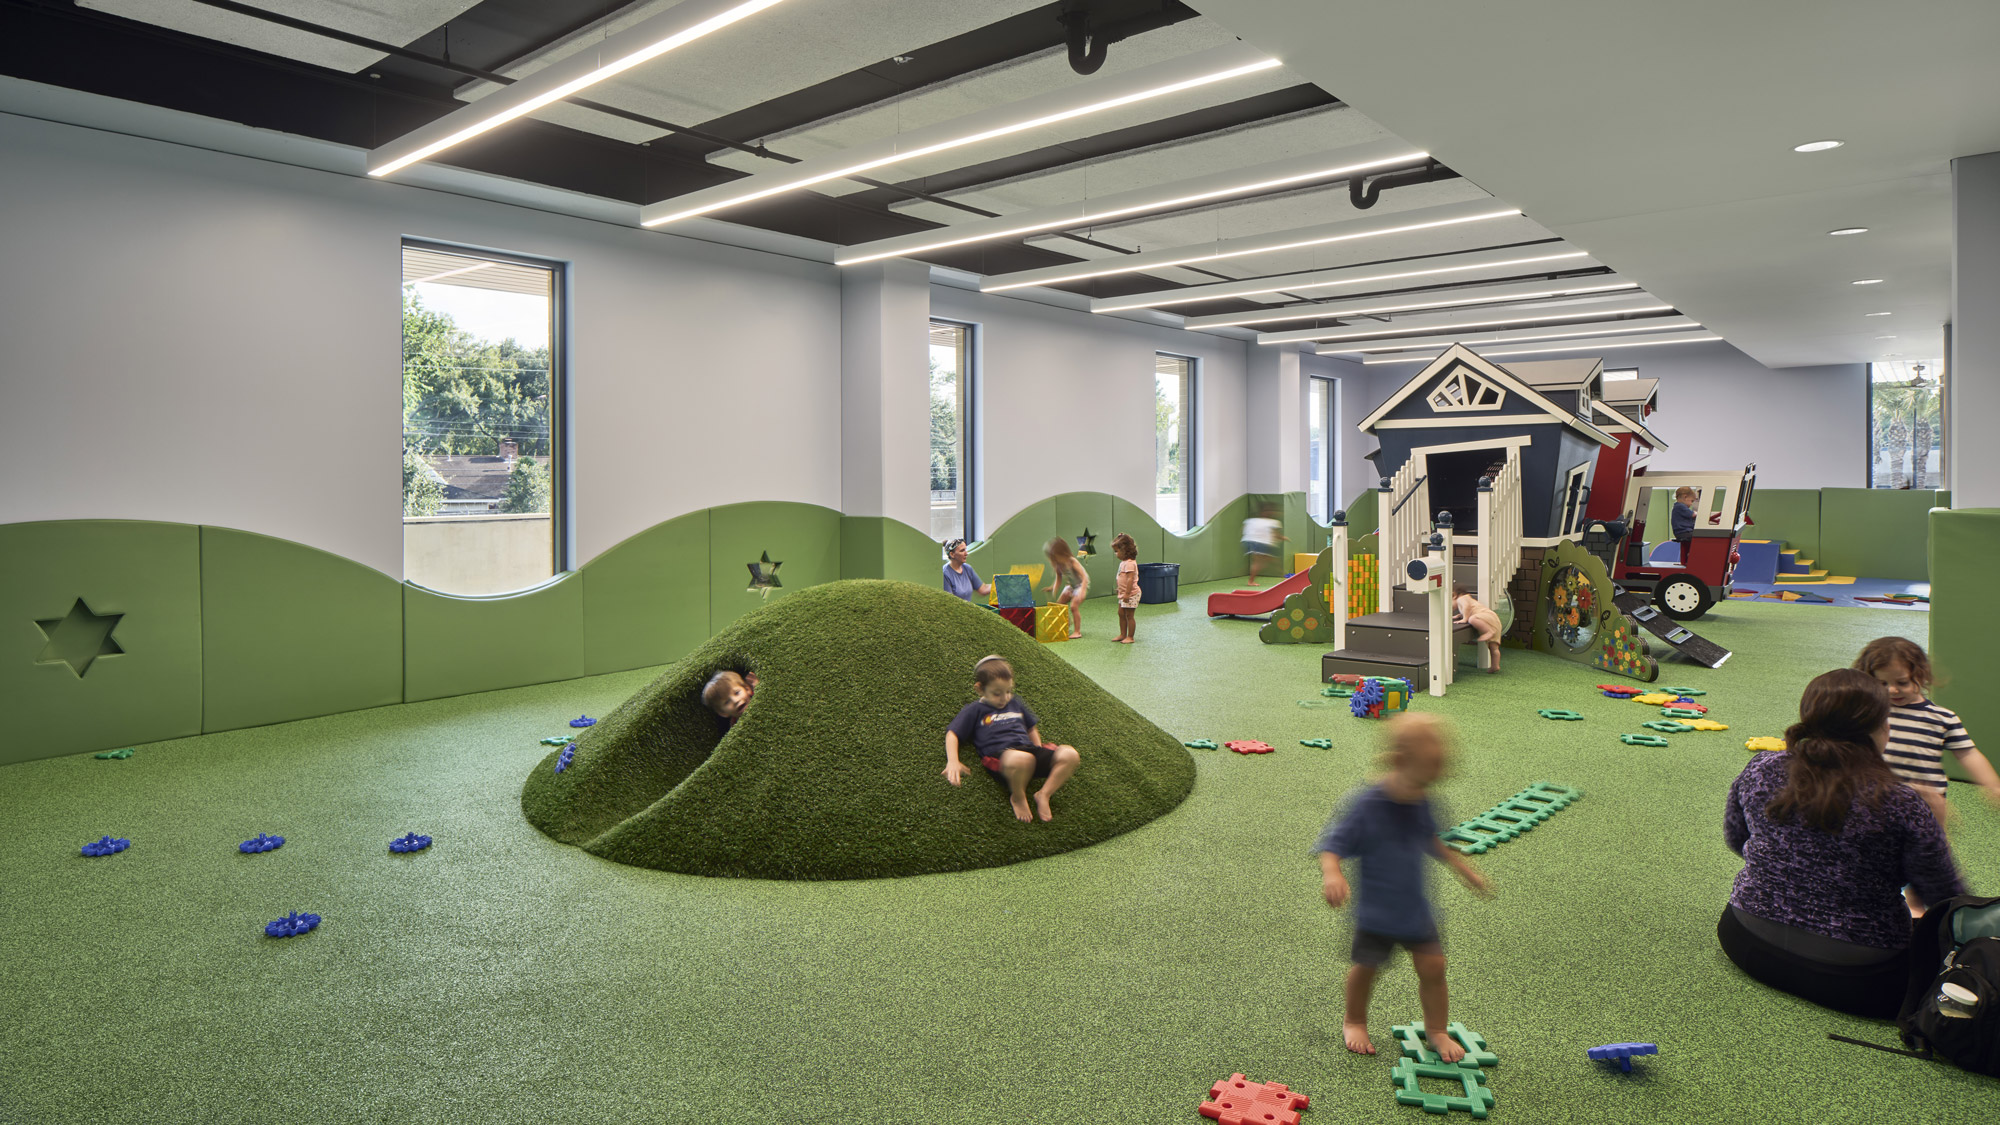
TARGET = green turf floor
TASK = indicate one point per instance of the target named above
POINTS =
(502, 977)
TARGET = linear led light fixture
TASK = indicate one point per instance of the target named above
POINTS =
(1315, 335)
(1321, 279)
(1158, 80)
(1521, 291)
(1346, 230)
(1590, 346)
(1501, 339)
(1293, 172)
(676, 27)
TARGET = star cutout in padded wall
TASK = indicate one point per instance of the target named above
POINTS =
(79, 638)
(1086, 544)
(764, 576)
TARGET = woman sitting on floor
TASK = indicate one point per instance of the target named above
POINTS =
(1829, 837)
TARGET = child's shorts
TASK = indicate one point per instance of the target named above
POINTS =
(1269, 550)
(1045, 760)
(1373, 949)
(1128, 601)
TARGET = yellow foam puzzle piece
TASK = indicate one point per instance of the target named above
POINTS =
(1655, 698)
(1706, 724)
(1765, 744)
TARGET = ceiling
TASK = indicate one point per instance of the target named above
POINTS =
(812, 79)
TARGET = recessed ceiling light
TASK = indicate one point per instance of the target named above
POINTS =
(1885, 337)
(1817, 146)
(1867, 281)
(1849, 230)
(1878, 314)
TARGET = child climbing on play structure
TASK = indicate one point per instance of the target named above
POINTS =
(1468, 610)
(728, 693)
(1261, 538)
(1389, 827)
(1921, 731)
(1682, 520)
(1066, 569)
(1128, 586)
(1007, 736)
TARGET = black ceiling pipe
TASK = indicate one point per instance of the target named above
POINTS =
(1365, 193)
(1089, 42)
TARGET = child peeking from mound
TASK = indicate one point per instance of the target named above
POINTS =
(1389, 828)
(1008, 739)
(728, 693)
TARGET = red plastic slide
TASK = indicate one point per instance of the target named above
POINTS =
(1255, 602)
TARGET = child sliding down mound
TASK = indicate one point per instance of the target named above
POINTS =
(1008, 739)
(1389, 827)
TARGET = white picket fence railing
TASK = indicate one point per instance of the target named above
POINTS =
(1404, 512)
(1500, 529)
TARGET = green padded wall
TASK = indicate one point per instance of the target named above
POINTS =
(1077, 512)
(1361, 523)
(880, 547)
(1876, 532)
(1789, 515)
(149, 574)
(803, 538)
(1019, 540)
(290, 632)
(645, 601)
(458, 645)
(1147, 535)
(1964, 623)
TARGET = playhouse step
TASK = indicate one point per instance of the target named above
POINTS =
(1354, 662)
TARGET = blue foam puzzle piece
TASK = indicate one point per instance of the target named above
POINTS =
(563, 759)
(1622, 1053)
(262, 843)
(410, 843)
(292, 925)
(106, 846)
(583, 721)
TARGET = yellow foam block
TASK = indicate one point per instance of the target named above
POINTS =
(1051, 623)
(1765, 744)
(1303, 561)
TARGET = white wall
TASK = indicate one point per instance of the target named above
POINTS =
(203, 338)
(1066, 403)
(1357, 396)
(1974, 380)
(1805, 427)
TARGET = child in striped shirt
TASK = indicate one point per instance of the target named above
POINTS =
(1921, 731)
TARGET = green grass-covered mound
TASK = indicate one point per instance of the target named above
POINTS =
(834, 770)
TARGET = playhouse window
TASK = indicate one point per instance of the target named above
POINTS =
(1463, 390)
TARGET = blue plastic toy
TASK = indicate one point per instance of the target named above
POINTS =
(563, 759)
(410, 843)
(262, 843)
(1621, 1053)
(292, 925)
(1368, 695)
(583, 721)
(106, 846)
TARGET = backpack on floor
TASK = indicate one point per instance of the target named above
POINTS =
(1952, 1007)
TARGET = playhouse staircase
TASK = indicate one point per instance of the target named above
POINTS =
(1393, 643)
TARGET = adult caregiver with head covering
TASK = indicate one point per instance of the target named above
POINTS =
(959, 578)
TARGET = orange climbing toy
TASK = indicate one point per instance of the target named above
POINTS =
(1238, 1101)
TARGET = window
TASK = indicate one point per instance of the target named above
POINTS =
(1323, 483)
(1464, 390)
(1615, 374)
(1906, 424)
(1173, 443)
(951, 461)
(482, 469)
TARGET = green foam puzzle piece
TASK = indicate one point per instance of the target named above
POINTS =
(1336, 691)
(1508, 819)
(1682, 713)
(1667, 726)
(1652, 740)
(1415, 1042)
(1687, 691)
(558, 740)
(1559, 713)
(1201, 744)
(1317, 743)
(117, 754)
(1476, 1098)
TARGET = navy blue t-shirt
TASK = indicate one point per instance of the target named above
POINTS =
(1392, 842)
(1683, 521)
(990, 730)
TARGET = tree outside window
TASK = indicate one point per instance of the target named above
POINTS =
(1906, 425)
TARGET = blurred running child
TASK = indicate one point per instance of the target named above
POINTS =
(1261, 538)
(1066, 569)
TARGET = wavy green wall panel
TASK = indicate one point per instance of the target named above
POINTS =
(645, 601)
(1214, 550)
(120, 659)
(290, 632)
(1790, 515)
(1077, 512)
(1963, 622)
(880, 547)
(1876, 532)
(1018, 540)
(803, 538)
(458, 645)
(1361, 523)
(1147, 535)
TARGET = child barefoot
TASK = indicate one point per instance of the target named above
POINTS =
(1485, 623)
(1008, 739)
(1065, 568)
(728, 693)
(1390, 827)
(1128, 586)
(1921, 731)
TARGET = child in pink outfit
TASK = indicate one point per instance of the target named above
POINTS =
(1485, 623)
(1128, 586)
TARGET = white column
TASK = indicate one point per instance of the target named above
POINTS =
(1275, 441)
(1974, 396)
(885, 310)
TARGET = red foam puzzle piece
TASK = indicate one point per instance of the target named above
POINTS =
(1250, 746)
(1238, 1101)
(1622, 689)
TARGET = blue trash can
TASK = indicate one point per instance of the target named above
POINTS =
(1159, 582)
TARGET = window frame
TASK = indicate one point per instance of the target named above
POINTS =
(562, 537)
(968, 411)
(1942, 432)
(1190, 439)
(1329, 420)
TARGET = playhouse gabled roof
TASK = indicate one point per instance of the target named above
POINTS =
(1618, 421)
(1580, 375)
(1487, 369)
(1633, 396)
